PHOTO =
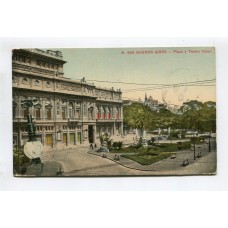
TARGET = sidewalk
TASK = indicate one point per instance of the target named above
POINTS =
(83, 161)
(204, 165)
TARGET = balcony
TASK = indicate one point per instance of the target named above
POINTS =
(108, 120)
(73, 120)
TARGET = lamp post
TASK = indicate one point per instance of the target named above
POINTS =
(194, 146)
(32, 148)
(19, 142)
(209, 142)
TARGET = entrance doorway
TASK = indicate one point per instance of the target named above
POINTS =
(72, 138)
(65, 138)
(91, 134)
(79, 138)
(49, 139)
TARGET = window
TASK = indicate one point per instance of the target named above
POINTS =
(23, 59)
(28, 60)
(25, 112)
(102, 113)
(117, 113)
(97, 113)
(108, 113)
(38, 113)
(70, 109)
(48, 111)
(38, 63)
(37, 83)
(90, 111)
(77, 114)
(25, 81)
(63, 113)
(48, 84)
(14, 111)
(14, 79)
(85, 109)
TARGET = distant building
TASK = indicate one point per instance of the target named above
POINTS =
(66, 112)
(153, 104)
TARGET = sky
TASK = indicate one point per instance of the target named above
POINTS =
(150, 67)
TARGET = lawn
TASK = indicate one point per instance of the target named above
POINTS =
(165, 147)
(151, 154)
(148, 158)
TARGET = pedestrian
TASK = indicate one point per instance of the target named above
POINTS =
(95, 145)
(92, 146)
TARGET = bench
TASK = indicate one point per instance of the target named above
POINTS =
(185, 162)
(173, 156)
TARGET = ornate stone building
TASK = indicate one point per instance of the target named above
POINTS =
(65, 112)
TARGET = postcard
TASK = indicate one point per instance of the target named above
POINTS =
(103, 112)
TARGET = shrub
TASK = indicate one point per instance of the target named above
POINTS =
(24, 160)
(117, 145)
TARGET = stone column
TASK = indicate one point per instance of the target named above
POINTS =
(114, 128)
(94, 133)
(121, 128)
(53, 139)
(67, 109)
(68, 137)
(76, 135)
(19, 107)
(44, 135)
(43, 109)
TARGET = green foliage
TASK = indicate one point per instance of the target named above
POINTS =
(19, 164)
(196, 115)
(117, 145)
(199, 116)
(106, 139)
(147, 158)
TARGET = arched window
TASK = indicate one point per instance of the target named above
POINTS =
(48, 110)
(48, 84)
(37, 113)
(70, 110)
(117, 113)
(90, 112)
(102, 112)
(25, 81)
(37, 83)
(97, 113)
(25, 112)
(85, 110)
(14, 109)
(108, 113)
(48, 113)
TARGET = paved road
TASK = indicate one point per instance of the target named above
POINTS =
(78, 162)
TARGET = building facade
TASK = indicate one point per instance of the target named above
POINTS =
(65, 112)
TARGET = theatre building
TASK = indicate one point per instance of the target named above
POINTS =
(65, 112)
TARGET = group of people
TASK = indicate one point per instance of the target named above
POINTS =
(93, 146)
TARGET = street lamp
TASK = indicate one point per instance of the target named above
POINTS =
(18, 128)
(32, 148)
(193, 139)
(209, 141)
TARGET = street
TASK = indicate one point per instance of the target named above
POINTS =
(83, 161)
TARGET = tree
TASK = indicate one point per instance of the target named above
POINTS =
(137, 116)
